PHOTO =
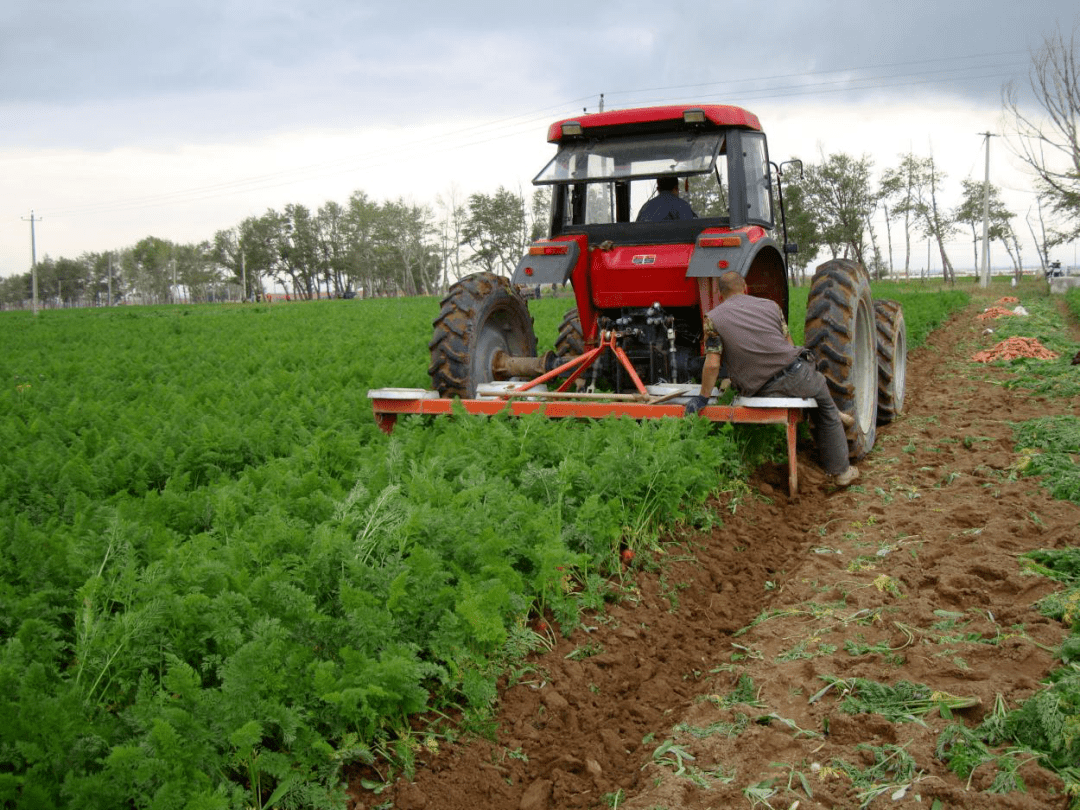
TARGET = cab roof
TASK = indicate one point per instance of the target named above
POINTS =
(719, 115)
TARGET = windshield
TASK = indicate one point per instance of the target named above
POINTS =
(628, 158)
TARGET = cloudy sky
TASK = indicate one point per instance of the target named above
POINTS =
(121, 119)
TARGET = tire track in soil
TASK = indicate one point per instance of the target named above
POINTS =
(575, 731)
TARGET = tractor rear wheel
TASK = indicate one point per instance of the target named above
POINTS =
(481, 316)
(840, 330)
(891, 359)
(571, 341)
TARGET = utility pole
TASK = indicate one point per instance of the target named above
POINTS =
(984, 275)
(110, 303)
(33, 258)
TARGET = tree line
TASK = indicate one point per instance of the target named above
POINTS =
(831, 207)
(361, 248)
(369, 248)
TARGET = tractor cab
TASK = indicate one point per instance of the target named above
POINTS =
(639, 271)
(606, 177)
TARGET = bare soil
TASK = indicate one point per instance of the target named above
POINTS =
(889, 580)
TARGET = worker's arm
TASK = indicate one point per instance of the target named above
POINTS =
(714, 358)
(709, 372)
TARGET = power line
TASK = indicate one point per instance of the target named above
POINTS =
(996, 54)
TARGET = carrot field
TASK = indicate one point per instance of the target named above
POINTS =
(222, 585)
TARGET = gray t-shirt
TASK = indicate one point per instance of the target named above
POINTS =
(754, 336)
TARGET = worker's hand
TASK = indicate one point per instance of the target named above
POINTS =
(695, 404)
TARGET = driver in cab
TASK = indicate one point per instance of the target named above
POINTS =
(667, 204)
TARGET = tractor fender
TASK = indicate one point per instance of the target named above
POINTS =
(717, 251)
(547, 262)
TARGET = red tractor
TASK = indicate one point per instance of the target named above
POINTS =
(643, 284)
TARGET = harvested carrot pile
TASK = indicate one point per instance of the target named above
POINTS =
(993, 312)
(1014, 347)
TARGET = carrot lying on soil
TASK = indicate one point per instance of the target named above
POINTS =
(1011, 348)
(993, 312)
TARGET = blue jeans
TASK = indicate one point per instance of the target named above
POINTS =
(803, 380)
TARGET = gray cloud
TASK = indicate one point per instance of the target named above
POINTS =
(244, 61)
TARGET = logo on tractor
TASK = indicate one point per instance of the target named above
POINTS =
(644, 259)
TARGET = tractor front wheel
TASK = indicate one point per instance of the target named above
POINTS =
(481, 317)
(840, 329)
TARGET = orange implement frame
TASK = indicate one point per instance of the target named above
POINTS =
(389, 403)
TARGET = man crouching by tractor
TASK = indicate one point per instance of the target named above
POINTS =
(749, 333)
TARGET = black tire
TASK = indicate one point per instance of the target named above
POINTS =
(840, 330)
(891, 359)
(481, 315)
(571, 341)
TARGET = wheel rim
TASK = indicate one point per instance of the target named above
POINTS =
(865, 367)
(500, 332)
(900, 370)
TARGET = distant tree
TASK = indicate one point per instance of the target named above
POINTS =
(300, 251)
(15, 290)
(226, 252)
(495, 229)
(540, 215)
(877, 266)
(451, 226)
(63, 281)
(1041, 240)
(363, 254)
(292, 249)
(195, 270)
(100, 268)
(1050, 146)
(332, 247)
(405, 234)
(970, 213)
(148, 271)
(1012, 246)
(247, 253)
(920, 182)
(838, 190)
(898, 186)
(802, 224)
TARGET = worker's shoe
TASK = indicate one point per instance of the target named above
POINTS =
(846, 478)
(846, 419)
